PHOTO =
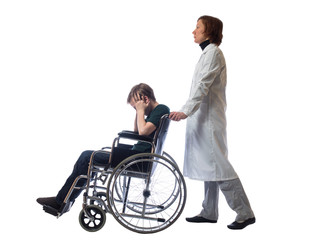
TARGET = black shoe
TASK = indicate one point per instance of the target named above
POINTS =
(199, 219)
(238, 226)
(50, 201)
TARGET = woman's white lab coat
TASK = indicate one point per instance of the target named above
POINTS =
(206, 150)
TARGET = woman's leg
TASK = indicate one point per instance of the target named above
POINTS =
(237, 199)
(210, 203)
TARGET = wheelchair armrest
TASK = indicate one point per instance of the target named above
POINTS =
(106, 148)
(130, 132)
(134, 136)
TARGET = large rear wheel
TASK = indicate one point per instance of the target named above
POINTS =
(147, 193)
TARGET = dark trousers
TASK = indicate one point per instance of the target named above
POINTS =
(80, 168)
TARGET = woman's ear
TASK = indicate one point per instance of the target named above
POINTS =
(146, 99)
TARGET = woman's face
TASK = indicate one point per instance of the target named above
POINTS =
(198, 33)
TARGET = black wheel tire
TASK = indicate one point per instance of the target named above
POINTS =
(95, 221)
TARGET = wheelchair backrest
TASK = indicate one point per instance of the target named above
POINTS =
(161, 134)
(122, 151)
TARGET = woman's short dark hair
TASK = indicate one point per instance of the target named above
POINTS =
(142, 89)
(213, 28)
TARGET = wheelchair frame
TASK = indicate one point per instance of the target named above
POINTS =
(145, 192)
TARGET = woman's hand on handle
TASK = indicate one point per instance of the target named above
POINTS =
(177, 116)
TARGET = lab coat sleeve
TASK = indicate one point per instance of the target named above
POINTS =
(208, 69)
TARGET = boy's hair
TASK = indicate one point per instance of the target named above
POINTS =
(141, 89)
(213, 28)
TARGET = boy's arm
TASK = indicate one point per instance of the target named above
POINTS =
(144, 128)
(135, 128)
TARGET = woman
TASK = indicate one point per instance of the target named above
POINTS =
(206, 152)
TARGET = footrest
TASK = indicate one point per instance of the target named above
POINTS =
(64, 208)
(51, 210)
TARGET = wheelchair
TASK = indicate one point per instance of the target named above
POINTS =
(145, 192)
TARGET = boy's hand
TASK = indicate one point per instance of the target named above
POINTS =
(140, 103)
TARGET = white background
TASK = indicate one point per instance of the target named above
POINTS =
(66, 68)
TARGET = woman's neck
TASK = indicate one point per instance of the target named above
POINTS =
(204, 44)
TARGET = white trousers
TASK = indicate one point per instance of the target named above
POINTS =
(235, 196)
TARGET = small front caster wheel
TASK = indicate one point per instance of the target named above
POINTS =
(92, 219)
